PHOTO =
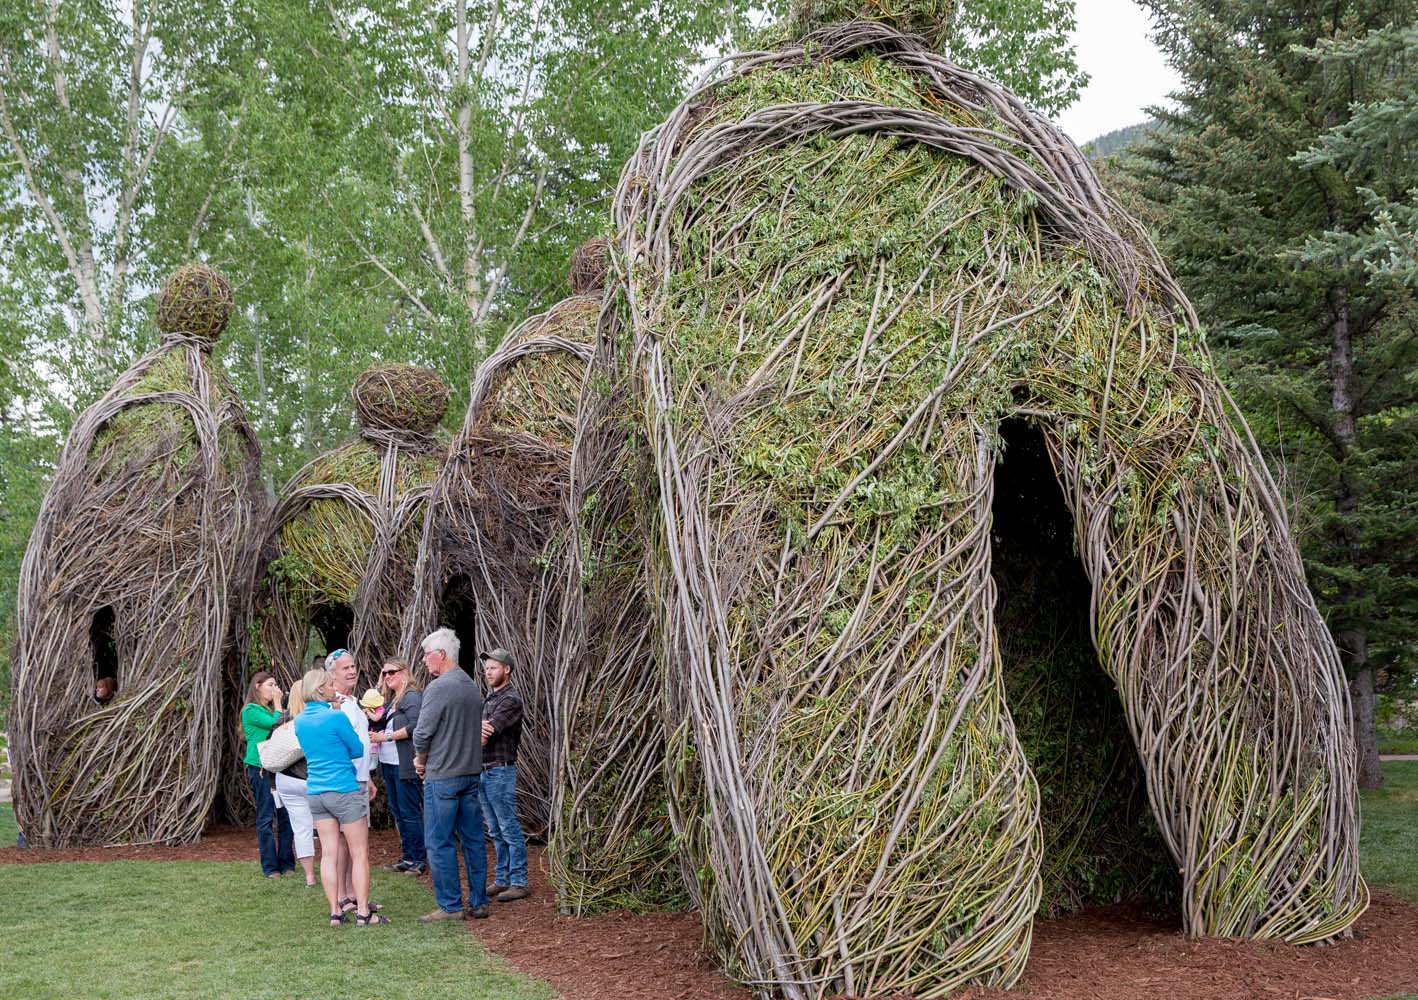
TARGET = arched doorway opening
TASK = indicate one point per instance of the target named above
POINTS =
(1101, 844)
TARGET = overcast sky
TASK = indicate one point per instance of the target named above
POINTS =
(1127, 71)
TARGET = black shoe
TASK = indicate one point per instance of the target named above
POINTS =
(477, 913)
(415, 870)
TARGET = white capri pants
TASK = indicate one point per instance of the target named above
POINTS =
(292, 793)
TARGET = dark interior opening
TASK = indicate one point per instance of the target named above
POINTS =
(1101, 843)
(105, 651)
(334, 623)
(459, 611)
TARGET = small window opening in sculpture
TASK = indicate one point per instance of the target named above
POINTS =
(1100, 841)
(105, 652)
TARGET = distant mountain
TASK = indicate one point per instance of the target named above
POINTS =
(1117, 141)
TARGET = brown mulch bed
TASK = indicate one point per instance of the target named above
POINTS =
(1123, 952)
(1111, 953)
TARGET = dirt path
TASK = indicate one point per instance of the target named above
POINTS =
(1112, 953)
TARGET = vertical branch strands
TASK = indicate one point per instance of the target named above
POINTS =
(612, 839)
(128, 575)
(841, 267)
(496, 521)
(338, 551)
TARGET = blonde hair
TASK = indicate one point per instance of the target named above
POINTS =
(295, 700)
(408, 684)
(313, 681)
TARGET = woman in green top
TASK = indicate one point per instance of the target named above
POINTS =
(273, 830)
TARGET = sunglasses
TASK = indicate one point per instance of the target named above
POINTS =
(391, 673)
(332, 657)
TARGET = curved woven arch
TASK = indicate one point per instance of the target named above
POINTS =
(495, 519)
(820, 411)
(153, 494)
(376, 601)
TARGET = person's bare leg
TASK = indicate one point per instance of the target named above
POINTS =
(329, 830)
(357, 837)
(309, 865)
(346, 883)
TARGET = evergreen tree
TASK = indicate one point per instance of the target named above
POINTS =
(1279, 185)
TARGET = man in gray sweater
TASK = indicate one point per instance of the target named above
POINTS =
(448, 756)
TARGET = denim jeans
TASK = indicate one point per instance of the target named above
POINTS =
(273, 832)
(499, 802)
(453, 815)
(406, 806)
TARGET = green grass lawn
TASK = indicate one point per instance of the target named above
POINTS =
(9, 829)
(1388, 844)
(192, 929)
(1398, 744)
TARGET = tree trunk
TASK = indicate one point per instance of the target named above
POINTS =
(1352, 638)
(1366, 738)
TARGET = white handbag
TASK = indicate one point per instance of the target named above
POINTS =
(281, 750)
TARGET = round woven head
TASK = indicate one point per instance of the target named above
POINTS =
(589, 265)
(196, 300)
(400, 397)
(931, 19)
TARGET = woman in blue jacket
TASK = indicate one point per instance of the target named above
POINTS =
(337, 803)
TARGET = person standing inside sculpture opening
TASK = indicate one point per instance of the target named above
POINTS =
(448, 757)
(344, 675)
(501, 735)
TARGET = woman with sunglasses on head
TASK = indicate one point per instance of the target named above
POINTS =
(402, 784)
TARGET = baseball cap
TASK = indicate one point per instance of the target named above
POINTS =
(500, 655)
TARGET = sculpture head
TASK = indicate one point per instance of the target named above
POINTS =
(195, 300)
(400, 397)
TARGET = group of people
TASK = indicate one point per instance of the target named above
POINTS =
(448, 759)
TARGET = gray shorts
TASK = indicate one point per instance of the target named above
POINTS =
(347, 807)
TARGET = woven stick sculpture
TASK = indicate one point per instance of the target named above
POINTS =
(846, 264)
(338, 551)
(128, 576)
(611, 844)
(497, 514)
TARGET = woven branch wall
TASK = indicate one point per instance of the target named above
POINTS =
(342, 541)
(844, 265)
(496, 518)
(128, 571)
